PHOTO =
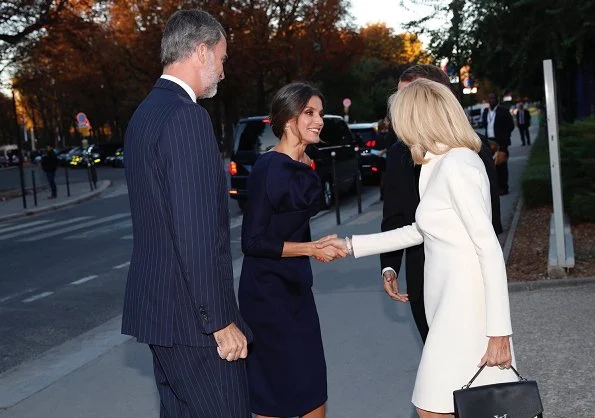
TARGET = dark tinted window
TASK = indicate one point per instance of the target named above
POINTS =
(331, 132)
(365, 134)
(256, 136)
(335, 132)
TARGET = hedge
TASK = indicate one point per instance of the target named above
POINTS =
(577, 154)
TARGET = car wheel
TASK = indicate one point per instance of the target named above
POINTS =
(327, 194)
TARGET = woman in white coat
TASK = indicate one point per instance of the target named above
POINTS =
(465, 289)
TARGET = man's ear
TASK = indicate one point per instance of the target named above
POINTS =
(201, 52)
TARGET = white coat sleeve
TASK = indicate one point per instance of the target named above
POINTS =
(384, 242)
(469, 190)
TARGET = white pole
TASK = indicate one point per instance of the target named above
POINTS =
(33, 148)
(554, 147)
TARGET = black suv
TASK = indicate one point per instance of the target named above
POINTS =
(373, 147)
(254, 136)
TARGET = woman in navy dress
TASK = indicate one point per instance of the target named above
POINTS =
(286, 365)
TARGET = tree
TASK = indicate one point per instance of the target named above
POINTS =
(506, 41)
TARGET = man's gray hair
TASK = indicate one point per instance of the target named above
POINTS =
(185, 30)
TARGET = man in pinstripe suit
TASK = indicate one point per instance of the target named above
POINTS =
(179, 295)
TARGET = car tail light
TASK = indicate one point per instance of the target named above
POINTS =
(370, 143)
(313, 165)
(374, 169)
(233, 168)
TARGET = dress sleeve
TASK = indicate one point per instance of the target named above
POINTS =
(469, 191)
(384, 242)
(256, 242)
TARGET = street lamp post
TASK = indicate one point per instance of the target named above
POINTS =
(20, 151)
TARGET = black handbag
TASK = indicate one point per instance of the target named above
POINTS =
(502, 400)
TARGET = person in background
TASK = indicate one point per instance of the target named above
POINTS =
(498, 125)
(49, 164)
(523, 121)
(286, 364)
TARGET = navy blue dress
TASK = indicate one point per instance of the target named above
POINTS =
(286, 365)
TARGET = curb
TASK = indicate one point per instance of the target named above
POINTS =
(507, 248)
(549, 283)
(102, 186)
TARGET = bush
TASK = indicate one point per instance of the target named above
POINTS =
(577, 154)
(536, 184)
(582, 207)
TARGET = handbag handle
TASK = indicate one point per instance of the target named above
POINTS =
(521, 378)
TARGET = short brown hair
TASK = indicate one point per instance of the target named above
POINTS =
(427, 71)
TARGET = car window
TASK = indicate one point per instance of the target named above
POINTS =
(255, 135)
(365, 134)
(331, 132)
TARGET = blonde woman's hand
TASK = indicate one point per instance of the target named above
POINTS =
(329, 249)
(498, 353)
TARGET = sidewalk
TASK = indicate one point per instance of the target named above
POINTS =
(371, 344)
(79, 192)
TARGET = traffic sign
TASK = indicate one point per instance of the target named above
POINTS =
(82, 121)
(346, 102)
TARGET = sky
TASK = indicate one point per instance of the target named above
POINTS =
(387, 11)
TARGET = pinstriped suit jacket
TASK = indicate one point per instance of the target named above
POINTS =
(180, 282)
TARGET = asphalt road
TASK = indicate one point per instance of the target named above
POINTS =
(64, 272)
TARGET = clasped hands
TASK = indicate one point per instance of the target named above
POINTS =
(329, 248)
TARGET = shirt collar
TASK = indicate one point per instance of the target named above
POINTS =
(182, 84)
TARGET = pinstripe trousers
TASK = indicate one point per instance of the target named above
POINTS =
(194, 382)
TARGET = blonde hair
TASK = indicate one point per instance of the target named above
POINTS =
(428, 117)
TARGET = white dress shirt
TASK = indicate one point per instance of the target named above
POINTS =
(491, 120)
(181, 84)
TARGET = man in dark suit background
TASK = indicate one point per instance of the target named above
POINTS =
(179, 296)
(498, 125)
(401, 198)
(523, 121)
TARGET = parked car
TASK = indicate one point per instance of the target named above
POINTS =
(474, 113)
(254, 136)
(116, 160)
(76, 157)
(100, 152)
(372, 144)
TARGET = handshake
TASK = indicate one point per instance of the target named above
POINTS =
(329, 248)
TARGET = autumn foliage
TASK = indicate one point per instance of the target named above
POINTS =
(102, 57)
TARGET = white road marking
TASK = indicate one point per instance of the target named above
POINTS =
(17, 294)
(127, 237)
(95, 232)
(76, 227)
(121, 266)
(37, 297)
(44, 227)
(22, 226)
(84, 280)
(235, 222)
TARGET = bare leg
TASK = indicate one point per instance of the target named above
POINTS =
(319, 412)
(427, 414)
